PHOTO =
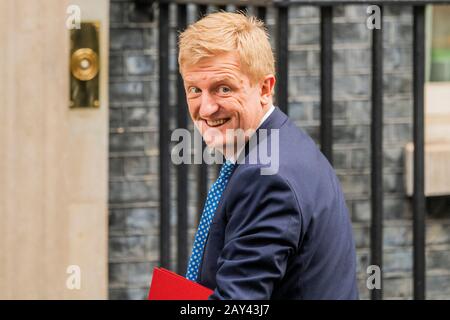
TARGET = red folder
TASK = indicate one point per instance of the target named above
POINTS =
(167, 285)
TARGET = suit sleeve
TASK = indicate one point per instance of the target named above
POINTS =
(261, 234)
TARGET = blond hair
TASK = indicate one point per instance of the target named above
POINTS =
(223, 32)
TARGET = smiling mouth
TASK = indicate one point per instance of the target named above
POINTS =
(216, 123)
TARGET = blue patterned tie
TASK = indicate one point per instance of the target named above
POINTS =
(212, 200)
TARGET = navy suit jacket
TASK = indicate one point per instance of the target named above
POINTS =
(282, 236)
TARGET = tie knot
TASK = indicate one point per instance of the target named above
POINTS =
(227, 169)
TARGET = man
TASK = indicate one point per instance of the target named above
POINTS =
(285, 235)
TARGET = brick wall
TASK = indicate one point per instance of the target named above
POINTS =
(133, 199)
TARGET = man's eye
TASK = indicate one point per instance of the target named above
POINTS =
(194, 90)
(224, 89)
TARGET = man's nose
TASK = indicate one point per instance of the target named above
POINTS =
(208, 105)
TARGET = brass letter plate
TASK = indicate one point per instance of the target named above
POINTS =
(84, 66)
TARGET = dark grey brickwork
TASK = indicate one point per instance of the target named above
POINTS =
(133, 180)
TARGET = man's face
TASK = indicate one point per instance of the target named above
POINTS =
(220, 97)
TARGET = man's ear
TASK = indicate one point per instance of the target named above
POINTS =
(267, 85)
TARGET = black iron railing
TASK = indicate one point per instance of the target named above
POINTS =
(326, 127)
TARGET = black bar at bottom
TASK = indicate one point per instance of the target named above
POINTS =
(419, 161)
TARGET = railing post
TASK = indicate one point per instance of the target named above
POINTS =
(182, 169)
(202, 178)
(419, 162)
(282, 56)
(164, 135)
(261, 12)
(326, 81)
(376, 232)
